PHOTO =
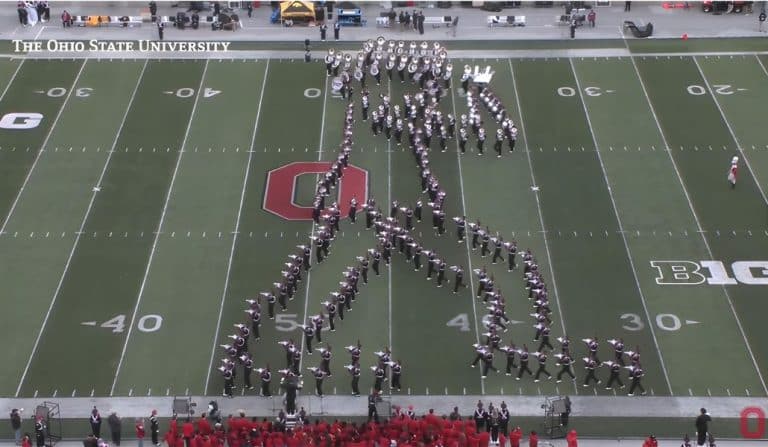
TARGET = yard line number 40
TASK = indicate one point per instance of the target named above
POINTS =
(147, 323)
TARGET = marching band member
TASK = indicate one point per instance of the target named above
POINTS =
(733, 171)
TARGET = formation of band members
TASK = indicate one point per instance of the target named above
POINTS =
(431, 71)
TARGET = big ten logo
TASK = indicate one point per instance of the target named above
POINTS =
(752, 423)
(280, 192)
(20, 120)
(753, 273)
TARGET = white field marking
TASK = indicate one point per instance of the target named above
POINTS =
(78, 234)
(40, 152)
(7, 87)
(761, 65)
(538, 205)
(700, 230)
(469, 270)
(730, 130)
(37, 36)
(389, 203)
(236, 231)
(159, 230)
(621, 228)
(317, 177)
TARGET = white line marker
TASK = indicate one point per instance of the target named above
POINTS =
(159, 229)
(77, 237)
(236, 231)
(319, 158)
(470, 270)
(621, 227)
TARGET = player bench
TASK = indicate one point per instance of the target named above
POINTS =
(113, 21)
(438, 21)
(506, 21)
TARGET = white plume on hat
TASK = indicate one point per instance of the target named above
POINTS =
(735, 160)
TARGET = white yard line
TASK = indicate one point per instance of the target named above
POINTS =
(524, 137)
(79, 232)
(759, 61)
(621, 228)
(309, 272)
(7, 87)
(730, 129)
(389, 203)
(698, 222)
(237, 230)
(469, 270)
(159, 230)
(42, 147)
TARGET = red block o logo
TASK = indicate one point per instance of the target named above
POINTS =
(756, 413)
(281, 188)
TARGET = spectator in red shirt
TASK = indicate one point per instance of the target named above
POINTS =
(515, 437)
(533, 439)
(203, 426)
(188, 430)
(571, 438)
(140, 431)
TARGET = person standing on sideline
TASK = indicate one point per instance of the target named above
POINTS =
(154, 428)
(572, 439)
(761, 20)
(323, 31)
(140, 431)
(373, 413)
(733, 171)
(627, 6)
(702, 426)
(160, 29)
(573, 28)
(115, 427)
(591, 17)
(16, 424)
(40, 431)
(249, 7)
(336, 29)
(95, 420)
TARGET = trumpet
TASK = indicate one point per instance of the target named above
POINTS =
(331, 52)
(449, 67)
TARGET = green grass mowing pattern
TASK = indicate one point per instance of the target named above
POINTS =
(719, 208)
(105, 274)
(266, 239)
(644, 180)
(33, 76)
(205, 198)
(575, 202)
(55, 201)
(499, 193)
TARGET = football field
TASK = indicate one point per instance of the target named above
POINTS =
(133, 194)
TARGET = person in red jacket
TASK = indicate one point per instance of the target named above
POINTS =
(515, 437)
(651, 442)
(571, 438)
(203, 426)
(140, 431)
(533, 439)
(188, 430)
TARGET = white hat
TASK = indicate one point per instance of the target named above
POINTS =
(735, 160)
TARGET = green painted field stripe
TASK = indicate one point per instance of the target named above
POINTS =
(41, 231)
(639, 170)
(621, 228)
(737, 86)
(720, 209)
(265, 239)
(105, 273)
(192, 268)
(20, 149)
(182, 149)
(578, 211)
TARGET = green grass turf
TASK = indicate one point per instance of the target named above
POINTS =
(185, 284)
